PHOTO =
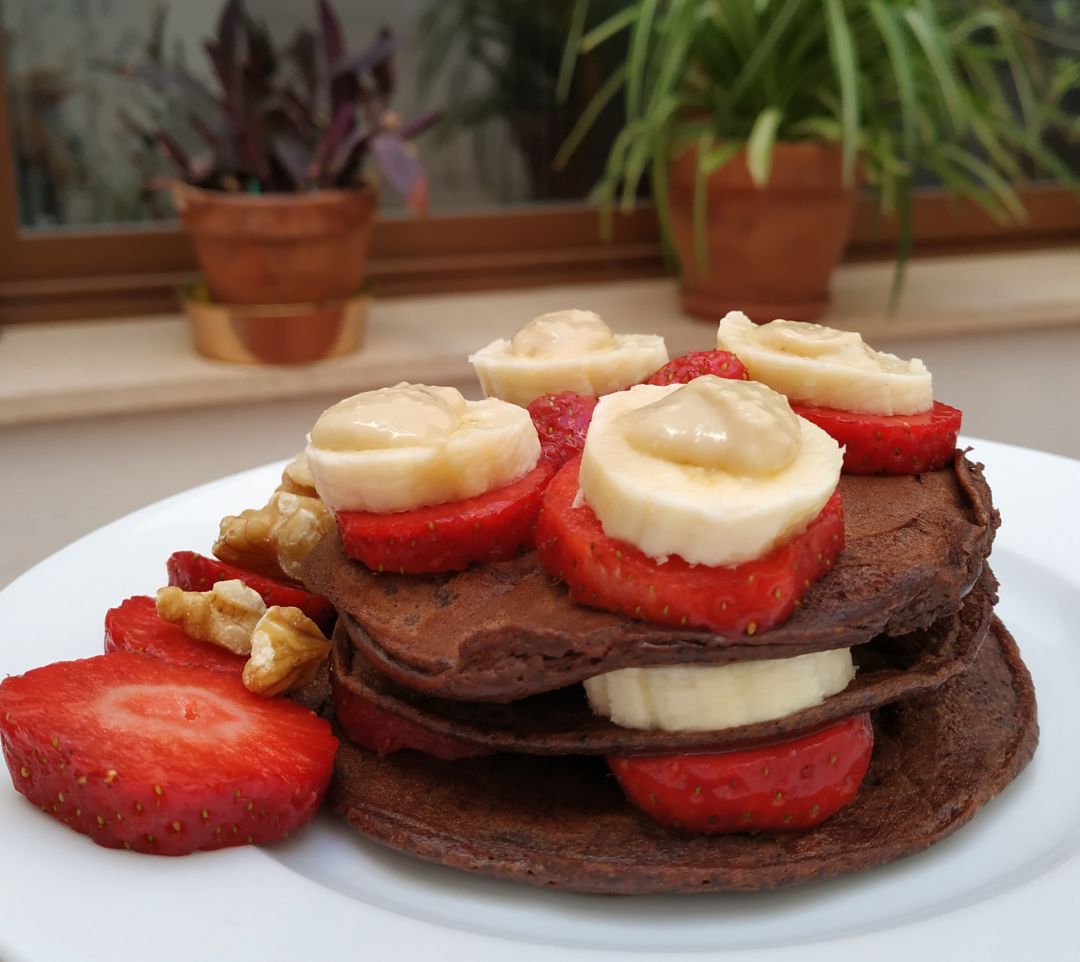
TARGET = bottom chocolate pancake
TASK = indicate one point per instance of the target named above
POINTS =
(563, 821)
(561, 723)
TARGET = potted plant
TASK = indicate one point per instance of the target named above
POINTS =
(277, 197)
(758, 121)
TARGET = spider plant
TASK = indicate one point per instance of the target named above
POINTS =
(960, 90)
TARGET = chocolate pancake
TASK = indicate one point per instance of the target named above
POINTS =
(561, 723)
(914, 546)
(563, 822)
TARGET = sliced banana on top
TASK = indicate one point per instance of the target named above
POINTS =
(570, 350)
(403, 447)
(715, 471)
(708, 698)
(826, 367)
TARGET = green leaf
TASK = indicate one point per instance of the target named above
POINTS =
(988, 176)
(905, 240)
(902, 70)
(719, 156)
(592, 110)
(932, 43)
(842, 51)
(570, 51)
(701, 203)
(636, 60)
(763, 51)
(606, 30)
(759, 146)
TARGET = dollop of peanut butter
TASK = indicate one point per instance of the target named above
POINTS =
(739, 427)
(804, 339)
(406, 415)
(563, 334)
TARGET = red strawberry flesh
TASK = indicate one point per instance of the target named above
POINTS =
(140, 754)
(136, 626)
(684, 369)
(494, 526)
(890, 444)
(385, 732)
(562, 421)
(784, 786)
(613, 575)
(195, 572)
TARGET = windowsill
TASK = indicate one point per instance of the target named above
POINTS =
(72, 370)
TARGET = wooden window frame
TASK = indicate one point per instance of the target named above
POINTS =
(91, 273)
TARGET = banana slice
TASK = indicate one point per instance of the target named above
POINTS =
(715, 471)
(823, 366)
(566, 351)
(403, 447)
(707, 698)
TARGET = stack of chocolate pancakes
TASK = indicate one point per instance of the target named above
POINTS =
(490, 661)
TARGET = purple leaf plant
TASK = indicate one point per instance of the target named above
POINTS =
(306, 117)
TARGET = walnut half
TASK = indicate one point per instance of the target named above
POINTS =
(226, 615)
(274, 540)
(286, 650)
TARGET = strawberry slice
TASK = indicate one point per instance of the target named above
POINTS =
(494, 526)
(682, 370)
(195, 572)
(616, 576)
(890, 444)
(135, 626)
(384, 732)
(562, 421)
(788, 785)
(140, 754)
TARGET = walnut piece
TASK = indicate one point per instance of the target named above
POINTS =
(297, 477)
(274, 540)
(286, 651)
(226, 615)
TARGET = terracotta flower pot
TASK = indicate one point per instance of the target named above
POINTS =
(771, 250)
(279, 248)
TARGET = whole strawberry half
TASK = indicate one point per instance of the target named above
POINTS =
(141, 754)
(788, 785)
(890, 443)
(682, 370)
(562, 421)
(494, 526)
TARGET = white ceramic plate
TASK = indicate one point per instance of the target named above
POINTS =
(1004, 887)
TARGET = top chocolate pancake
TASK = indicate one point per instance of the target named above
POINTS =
(914, 546)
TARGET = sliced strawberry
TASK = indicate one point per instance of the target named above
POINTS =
(684, 369)
(890, 444)
(562, 421)
(196, 572)
(135, 626)
(788, 785)
(140, 754)
(494, 526)
(616, 576)
(384, 732)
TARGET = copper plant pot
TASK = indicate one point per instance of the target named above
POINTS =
(771, 250)
(274, 333)
(279, 248)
